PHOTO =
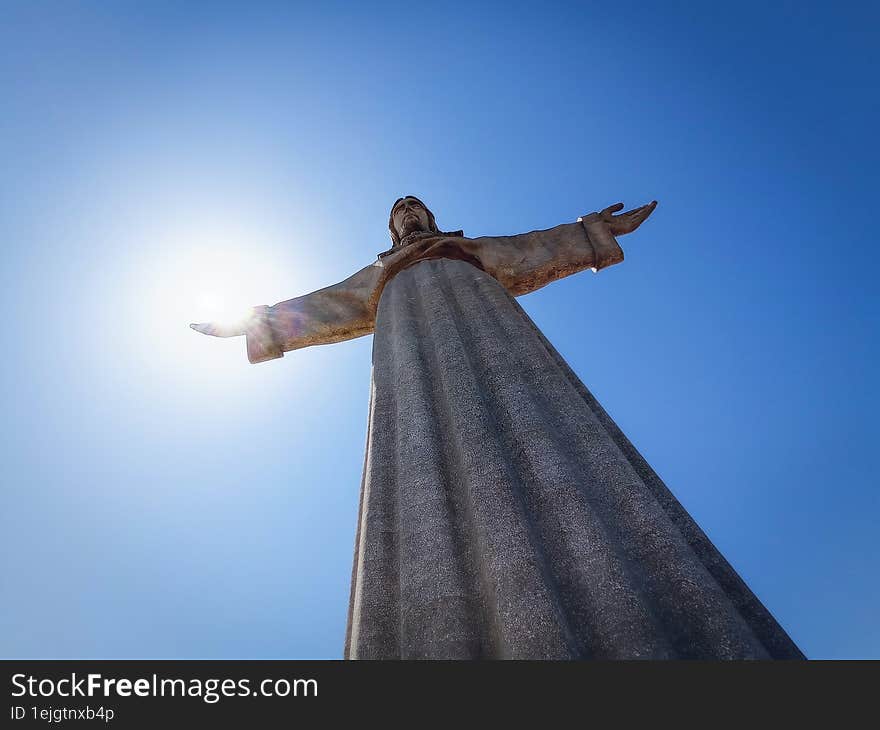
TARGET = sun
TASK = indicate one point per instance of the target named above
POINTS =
(205, 275)
(212, 284)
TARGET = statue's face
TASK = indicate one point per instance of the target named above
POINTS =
(409, 215)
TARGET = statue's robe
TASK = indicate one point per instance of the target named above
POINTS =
(503, 513)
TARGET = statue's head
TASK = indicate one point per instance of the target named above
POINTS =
(409, 215)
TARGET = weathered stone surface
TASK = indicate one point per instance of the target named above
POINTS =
(504, 515)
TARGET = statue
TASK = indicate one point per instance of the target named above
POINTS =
(503, 514)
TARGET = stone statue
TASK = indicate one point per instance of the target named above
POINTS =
(503, 514)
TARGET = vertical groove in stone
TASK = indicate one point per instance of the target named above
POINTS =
(505, 515)
(438, 616)
(514, 573)
(595, 581)
(375, 597)
(484, 639)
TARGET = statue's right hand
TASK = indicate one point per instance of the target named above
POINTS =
(219, 330)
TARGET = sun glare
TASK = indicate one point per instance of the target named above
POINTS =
(212, 285)
(207, 278)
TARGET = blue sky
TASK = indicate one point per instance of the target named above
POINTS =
(164, 498)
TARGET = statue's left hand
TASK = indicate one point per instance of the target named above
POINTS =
(626, 222)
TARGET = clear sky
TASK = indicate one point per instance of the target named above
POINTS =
(163, 161)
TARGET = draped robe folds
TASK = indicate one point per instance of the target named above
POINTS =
(503, 514)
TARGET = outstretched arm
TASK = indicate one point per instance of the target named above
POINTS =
(340, 312)
(528, 261)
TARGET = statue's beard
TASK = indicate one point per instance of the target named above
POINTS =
(411, 225)
(410, 229)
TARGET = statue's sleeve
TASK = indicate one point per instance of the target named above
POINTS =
(528, 261)
(340, 312)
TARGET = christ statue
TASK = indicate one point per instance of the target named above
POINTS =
(503, 514)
